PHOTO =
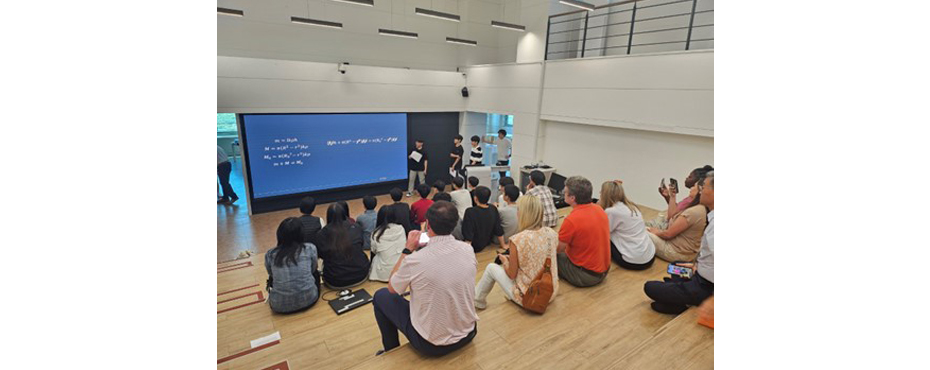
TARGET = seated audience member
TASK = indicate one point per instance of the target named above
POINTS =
(346, 207)
(630, 245)
(674, 297)
(345, 264)
(503, 183)
(528, 252)
(310, 224)
(387, 243)
(460, 197)
(472, 184)
(482, 222)
(293, 281)
(401, 209)
(508, 211)
(584, 238)
(538, 189)
(440, 186)
(457, 232)
(682, 240)
(418, 209)
(477, 152)
(368, 219)
(440, 316)
(670, 196)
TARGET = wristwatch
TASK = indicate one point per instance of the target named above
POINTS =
(407, 251)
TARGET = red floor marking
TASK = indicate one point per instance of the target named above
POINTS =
(236, 290)
(257, 294)
(278, 366)
(261, 299)
(248, 351)
(230, 268)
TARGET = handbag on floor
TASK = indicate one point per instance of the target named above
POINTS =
(538, 294)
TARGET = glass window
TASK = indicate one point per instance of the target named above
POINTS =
(226, 124)
(499, 121)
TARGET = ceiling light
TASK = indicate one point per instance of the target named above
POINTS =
(461, 41)
(358, 2)
(230, 12)
(440, 15)
(387, 32)
(578, 4)
(316, 22)
(509, 26)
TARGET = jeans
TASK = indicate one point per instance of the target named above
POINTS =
(675, 296)
(618, 259)
(392, 312)
(415, 174)
(576, 275)
(503, 163)
(223, 170)
(494, 273)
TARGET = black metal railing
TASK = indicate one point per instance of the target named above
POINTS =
(631, 27)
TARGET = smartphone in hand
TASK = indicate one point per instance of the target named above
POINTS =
(673, 184)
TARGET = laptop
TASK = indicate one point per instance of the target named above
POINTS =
(350, 301)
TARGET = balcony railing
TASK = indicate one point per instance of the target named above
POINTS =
(631, 27)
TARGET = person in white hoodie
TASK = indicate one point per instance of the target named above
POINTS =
(387, 244)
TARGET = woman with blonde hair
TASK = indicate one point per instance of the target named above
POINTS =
(630, 244)
(528, 249)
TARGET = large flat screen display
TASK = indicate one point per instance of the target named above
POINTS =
(297, 153)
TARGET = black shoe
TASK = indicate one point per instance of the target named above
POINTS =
(233, 200)
(379, 353)
(222, 201)
(668, 308)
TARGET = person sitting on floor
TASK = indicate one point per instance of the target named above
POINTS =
(472, 184)
(630, 245)
(508, 211)
(460, 197)
(310, 224)
(674, 297)
(538, 189)
(401, 209)
(345, 206)
(670, 195)
(584, 238)
(440, 186)
(682, 240)
(345, 263)
(440, 316)
(504, 181)
(368, 219)
(387, 243)
(457, 232)
(418, 209)
(528, 252)
(482, 222)
(293, 279)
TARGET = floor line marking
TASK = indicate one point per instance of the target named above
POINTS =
(246, 352)
(236, 290)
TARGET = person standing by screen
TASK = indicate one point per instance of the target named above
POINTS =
(504, 146)
(457, 153)
(223, 169)
(417, 167)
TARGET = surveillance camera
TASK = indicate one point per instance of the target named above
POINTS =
(342, 67)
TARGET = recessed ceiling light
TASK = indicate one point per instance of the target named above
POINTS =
(358, 2)
(454, 40)
(509, 26)
(316, 22)
(395, 33)
(578, 4)
(440, 15)
(230, 12)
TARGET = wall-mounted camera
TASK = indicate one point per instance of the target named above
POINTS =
(343, 67)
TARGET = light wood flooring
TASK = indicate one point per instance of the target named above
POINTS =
(606, 326)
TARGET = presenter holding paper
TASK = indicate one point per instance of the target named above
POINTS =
(457, 152)
(417, 165)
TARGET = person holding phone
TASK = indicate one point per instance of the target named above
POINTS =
(674, 297)
(671, 197)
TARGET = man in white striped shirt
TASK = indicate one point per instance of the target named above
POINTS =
(440, 316)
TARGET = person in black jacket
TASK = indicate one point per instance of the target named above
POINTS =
(310, 224)
(401, 210)
(345, 262)
(482, 222)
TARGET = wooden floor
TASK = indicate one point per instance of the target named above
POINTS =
(606, 326)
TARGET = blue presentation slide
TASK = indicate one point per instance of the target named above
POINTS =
(296, 153)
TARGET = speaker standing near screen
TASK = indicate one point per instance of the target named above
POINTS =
(457, 153)
(223, 169)
(417, 164)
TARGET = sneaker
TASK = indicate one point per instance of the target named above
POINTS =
(233, 200)
(222, 201)
(379, 353)
(409, 194)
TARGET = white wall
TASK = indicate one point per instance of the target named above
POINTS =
(639, 158)
(247, 85)
(668, 92)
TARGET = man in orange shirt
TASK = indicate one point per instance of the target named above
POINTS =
(584, 239)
